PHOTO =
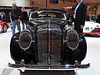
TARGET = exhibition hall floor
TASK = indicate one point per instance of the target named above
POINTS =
(92, 57)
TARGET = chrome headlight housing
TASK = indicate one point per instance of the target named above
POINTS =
(25, 40)
(72, 39)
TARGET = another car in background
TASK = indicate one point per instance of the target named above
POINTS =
(3, 26)
(91, 28)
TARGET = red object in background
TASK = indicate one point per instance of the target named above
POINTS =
(95, 32)
(3, 26)
(65, 9)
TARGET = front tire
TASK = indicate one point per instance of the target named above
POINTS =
(4, 28)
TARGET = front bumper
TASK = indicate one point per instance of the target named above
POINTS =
(49, 67)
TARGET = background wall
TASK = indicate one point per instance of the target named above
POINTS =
(98, 10)
(18, 2)
(91, 1)
(91, 11)
(42, 4)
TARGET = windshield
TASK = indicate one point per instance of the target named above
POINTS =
(41, 14)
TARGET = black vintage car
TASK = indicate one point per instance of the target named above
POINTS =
(48, 41)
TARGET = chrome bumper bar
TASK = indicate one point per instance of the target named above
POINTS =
(49, 67)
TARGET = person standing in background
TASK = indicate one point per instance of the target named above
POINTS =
(10, 20)
(98, 19)
(79, 16)
(3, 17)
(24, 17)
(15, 16)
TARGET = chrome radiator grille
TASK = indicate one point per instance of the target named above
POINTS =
(49, 43)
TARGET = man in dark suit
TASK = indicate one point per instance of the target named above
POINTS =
(80, 15)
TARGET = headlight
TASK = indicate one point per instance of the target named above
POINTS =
(72, 39)
(25, 40)
(97, 25)
(87, 28)
(91, 27)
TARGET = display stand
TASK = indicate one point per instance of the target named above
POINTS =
(6, 71)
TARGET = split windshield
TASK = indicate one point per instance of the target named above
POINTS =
(41, 14)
